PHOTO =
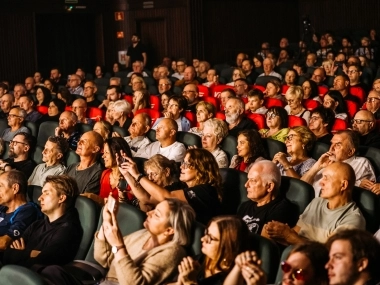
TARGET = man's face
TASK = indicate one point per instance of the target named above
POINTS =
(29, 83)
(190, 93)
(316, 123)
(340, 58)
(310, 60)
(163, 72)
(54, 74)
(268, 66)
(50, 153)
(290, 77)
(65, 122)
(340, 147)
(257, 189)
(112, 94)
(246, 66)
(7, 194)
(89, 90)
(138, 126)
(211, 73)
(135, 39)
(339, 83)
(362, 123)
(137, 67)
(74, 81)
(49, 199)
(79, 108)
(354, 74)
(240, 87)
(341, 268)
(25, 104)
(318, 76)
(86, 146)
(331, 182)
(232, 111)
(373, 101)
(81, 74)
(18, 146)
(180, 66)
(163, 130)
(163, 85)
(189, 74)
(6, 103)
(239, 59)
(284, 43)
(18, 91)
(14, 118)
(224, 96)
(114, 82)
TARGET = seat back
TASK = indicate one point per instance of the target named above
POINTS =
(42, 109)
(34, 192)
(217, 89)
(322, 90)
(284, 256)
(284, 88)
(140, 163)
(294, 121)
(214, 101)
(310, 104)
(368, 203)
(191, 117)
(32, 127)
(121, 131)
(373, 155)
(273, 102)
(129, 218)
(352, 108)
(189, 139)
(228, 145)
(196, 244)
(358, 92)
(71, 157)
(263, 80)
(151, 135)
(6, 150)
(268, 253)
(88, 212)
(339, 125)
(37, 154)
(259, 87)
(297, 191)
(220, 116)
(273, 146)
(319, 149)
(128, 98)
(95, 113)
(46, 130)
(155, 102)
(17, 275)
(259, 119)
(234, 191)
(3, 125)
(154, 114)
(203, 91)
(83, 128)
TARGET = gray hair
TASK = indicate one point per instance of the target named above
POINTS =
(21, 112)
(270, 173)
(181, 218)
(240, 102)
(220, 127)
(22, 86)
(122, 106)
(296, 91)
(116, 79)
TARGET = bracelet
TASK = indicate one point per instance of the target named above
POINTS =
(289, 167)
(139, 177)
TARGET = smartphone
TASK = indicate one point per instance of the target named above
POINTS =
(111, 203)
(120, 160)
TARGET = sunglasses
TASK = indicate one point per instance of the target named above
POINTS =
(298, 274)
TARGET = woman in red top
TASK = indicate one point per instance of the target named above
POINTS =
(111, 179)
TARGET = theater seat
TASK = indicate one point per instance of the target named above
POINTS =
(352, 108)
(151, 135)
(189, 139)
(322, 90)
(358, 92)
(203, 91)
(213, 101)
(42, 109)
(18, 275)
(373, 155)
(121, 131)
(263, 80)
(95, 113)
(284, 256)
(196, 245)
(273, 102)
(191, 117)
(154, 114)
(259, 119)
(295, 121)
(228, 145)
(46, 130)
(3, 125)
(71, 157)
(128, 98)
(33, 128)
(318, 149)
(273, 146)
(259, 87)
(369, 206)
(284, 88)
(37, 154)
(217, 89)
(155, 102)
(220, 116)
(339, 125)
(310, 104)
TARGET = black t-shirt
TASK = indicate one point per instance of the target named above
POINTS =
(325, 139)
(25, 166)
(126, 124)
(245, 124)
(371, 139)
(202, 198)
(94, 103)
(135, 53)
(280, 209)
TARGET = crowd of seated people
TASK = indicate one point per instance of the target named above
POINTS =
(167, 141)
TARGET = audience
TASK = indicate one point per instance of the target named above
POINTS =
(277, 122)
(67, 129)
(373, 103)
(27, 104)
(334, 101)
(120, 114)
(103, 128)
(235, 117)
(255, 103)
(137, 133)
(294, 97)
(364, 123)
(204, 112)
(321, 122)
(79, 107)
(16, 118)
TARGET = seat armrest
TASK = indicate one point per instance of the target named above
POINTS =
(86, 272)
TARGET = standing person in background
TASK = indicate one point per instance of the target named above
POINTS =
(136, 51)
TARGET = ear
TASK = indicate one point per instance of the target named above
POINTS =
(167, 172)
(59, 156)
(210, 115)
(362, 264)
(261, 102)
(360, 73)
(96, 149)
(147, 128)
(169, 231)
(16, 188)
(344, 185)
(173, 132)
(180, 110)
(62, 199)
(352, 152)
(270, 186)
(336, 104)
(371, 125)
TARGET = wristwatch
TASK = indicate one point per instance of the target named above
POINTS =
(115, 249)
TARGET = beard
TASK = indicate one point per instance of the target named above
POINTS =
(11, 154)
(232, 118)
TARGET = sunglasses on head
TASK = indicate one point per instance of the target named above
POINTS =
(298, 274)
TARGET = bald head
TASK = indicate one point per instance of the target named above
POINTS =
(269, 173)
(364, 122)
(344, 173)
(95, 139)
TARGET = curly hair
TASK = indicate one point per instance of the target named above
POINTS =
(256, 147)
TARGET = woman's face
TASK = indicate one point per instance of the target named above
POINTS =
(165, 101)
(98, 71)
(209, 139)
(273, 120)
(376, 85)
(257, 62)
(211, 241)
(202, 67)
(202, 114)
(174, 65)
(40, 95)
(173, 108)
(98, 127)
(157, 221)
(271, 90)
(110, 113)
(135, 94)
(108, 159)
(293, 142)
(236, 75)
(329, 102)
(243, 147)
(297, 265)
(188, 172)
(327, 67)
(306, 89)
(293, 102)
(115, 67)
(157, 176)
(48, 85)
(290, 77)
(52, 109)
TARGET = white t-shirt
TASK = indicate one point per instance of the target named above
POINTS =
(175, 151)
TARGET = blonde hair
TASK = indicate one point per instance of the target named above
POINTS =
(297, 91)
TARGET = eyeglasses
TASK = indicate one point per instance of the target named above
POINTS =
(372, 99)
(359, 122)
(314, 118)
(89, 87)
(16, 142)
(208, 238)
(186, 165)
(351, 71)
(298, 274)
(163, 85)
(13, 116)
(239, 85)
(270, 115)
(290, 137)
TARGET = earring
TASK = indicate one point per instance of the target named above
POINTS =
(303, 146)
